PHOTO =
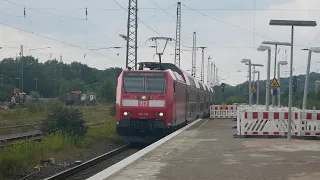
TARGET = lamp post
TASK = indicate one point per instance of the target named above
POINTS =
(258, 91)
(305, 93)
(291, 23)
(267, 48)
(254, 66)
(276, 44)
(280, 63)
(249, 63)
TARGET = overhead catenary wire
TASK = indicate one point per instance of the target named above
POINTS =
(53, 14)
(186, 9)
(164, 9)
(46, 37)
(63, 42)
(235, 26)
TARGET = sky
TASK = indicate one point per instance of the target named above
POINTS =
(231, 29)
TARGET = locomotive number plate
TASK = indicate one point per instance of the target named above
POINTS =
(143, 114)
(143, 103)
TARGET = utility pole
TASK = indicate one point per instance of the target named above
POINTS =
(178, 34)
(214, 74)
(132, 36)
(208, 71)
(36, 79)
(61, 63)
(21, 60)
(194, 55)
(217, 79)
(194, 50)
(211, 75)
(202, 64)
(55, 78)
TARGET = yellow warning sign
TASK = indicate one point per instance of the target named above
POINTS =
(274, 83)
(254, 89)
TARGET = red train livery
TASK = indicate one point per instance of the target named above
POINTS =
(157, 99)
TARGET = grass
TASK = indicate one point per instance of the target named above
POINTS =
(26, 155)
(36, 112)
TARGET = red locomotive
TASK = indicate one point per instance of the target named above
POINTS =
(158, 99)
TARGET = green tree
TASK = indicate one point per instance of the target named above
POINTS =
(56, 78)
(6, 92)
(235, 99)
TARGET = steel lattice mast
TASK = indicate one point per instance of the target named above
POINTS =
(178, 32)
(212, 75)
(132, 36)
(194, 54)
(202, 65)
(208, 71)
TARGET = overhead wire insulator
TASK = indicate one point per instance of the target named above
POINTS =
(24, 12)
(86, 13)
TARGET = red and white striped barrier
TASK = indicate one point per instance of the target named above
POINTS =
(255, 120)
(223, 112)
(267, 123)
(310, 123)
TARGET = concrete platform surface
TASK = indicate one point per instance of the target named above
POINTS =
(207, 150)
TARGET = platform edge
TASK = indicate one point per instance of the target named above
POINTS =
(125, 162)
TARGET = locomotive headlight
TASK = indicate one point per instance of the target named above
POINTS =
(143, 97)
(159, 114)
(125, 113)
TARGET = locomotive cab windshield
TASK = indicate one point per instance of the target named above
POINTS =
(144, 82)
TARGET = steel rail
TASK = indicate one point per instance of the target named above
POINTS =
(82, 167)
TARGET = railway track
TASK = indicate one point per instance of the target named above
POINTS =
(93, 166)
(9, 140)
(30, 136)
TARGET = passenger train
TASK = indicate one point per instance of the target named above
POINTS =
(157, 99)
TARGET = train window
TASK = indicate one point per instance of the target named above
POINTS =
(133, 84)
(155, 84)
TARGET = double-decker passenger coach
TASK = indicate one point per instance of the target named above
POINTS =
(157, 99)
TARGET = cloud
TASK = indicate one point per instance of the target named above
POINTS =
(227, 44)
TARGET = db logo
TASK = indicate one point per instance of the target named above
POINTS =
(143, 103)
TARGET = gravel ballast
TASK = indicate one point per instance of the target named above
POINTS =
(69, 162)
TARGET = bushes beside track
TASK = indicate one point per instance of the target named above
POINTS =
(67, 137)
(35, 112)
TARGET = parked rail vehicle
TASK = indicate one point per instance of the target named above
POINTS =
(157, 99)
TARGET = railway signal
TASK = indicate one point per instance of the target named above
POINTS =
(295, 84)
(223, 86)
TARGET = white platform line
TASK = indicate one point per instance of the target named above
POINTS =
(125, 162)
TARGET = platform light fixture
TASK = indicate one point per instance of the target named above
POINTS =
(248, 61)
(291, 23)
(267, 48)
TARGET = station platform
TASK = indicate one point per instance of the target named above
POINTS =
(207, 150)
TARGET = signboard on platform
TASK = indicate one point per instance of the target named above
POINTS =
(274, 83)
(274, 91)
(254, 90)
